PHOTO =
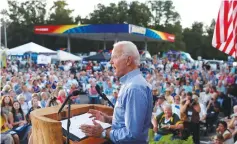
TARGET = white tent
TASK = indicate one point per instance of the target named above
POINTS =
(64, 56)
(29, 47)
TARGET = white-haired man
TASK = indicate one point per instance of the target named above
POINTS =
(133, 109)
(166, 123)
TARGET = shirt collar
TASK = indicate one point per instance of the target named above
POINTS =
(129, 75)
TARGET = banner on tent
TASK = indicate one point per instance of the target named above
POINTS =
(3, 58)
(42, 59)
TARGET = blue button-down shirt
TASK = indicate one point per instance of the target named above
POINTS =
(133, 110)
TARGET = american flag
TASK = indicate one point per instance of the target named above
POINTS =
(225, 33)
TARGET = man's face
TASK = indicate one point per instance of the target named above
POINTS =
(168, 112)
(118, 62)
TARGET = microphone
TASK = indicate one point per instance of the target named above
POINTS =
(97, 87)
(74, 93)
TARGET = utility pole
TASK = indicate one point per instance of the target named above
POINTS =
(3, 13)
(5, 32)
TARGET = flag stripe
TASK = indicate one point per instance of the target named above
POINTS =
(225, 33)
(225, 19)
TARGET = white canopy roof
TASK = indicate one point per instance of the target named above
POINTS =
(29, 47)
(64, 56)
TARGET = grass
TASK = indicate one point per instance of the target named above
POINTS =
(168, 139)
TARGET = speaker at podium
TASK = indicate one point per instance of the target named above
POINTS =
(48, 127)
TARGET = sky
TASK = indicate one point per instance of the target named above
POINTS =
(189, 10)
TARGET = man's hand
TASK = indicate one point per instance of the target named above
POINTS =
(154, 121)
(155, 129)
(187, 102)
(98, 115)
(9, 126)
(94, 131)
(166, 127)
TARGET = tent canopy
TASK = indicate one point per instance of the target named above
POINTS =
(105, 32)
(64, 56)
(29, 47)
(98, 57)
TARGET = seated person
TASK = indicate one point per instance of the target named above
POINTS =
(166, 123)
(213, 110)
(232, 125)
(218, 139)
(160, 102)
(223, 130)
(7, 135)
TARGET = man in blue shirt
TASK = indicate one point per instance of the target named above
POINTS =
(133, 109)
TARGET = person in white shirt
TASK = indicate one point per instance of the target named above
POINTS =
(205, 96)
(34, 95)
(222, 130)
(203, 112)
(176, 105)
(24, 106)
(158, 108)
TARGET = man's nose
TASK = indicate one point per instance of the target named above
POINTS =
(111, 62)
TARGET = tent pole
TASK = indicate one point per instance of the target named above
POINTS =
(30, 60)
(116, 38)
(68, 43)
(104, 44)
(145, 44)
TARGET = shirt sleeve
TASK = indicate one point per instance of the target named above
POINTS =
(136, 108)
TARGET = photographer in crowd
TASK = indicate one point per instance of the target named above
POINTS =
(190, 115)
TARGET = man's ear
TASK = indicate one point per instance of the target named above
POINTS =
(129, 60)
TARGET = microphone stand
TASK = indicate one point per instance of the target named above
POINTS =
(103, 95)
(68, 117)
(105, 98)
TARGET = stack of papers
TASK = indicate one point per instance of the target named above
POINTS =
(77, 121)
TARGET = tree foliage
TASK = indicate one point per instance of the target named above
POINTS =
(60, 14)
(160, 15)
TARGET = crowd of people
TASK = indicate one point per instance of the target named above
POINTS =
(187, 97)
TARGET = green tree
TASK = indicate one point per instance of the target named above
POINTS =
(23, 16)
(193, 39)
(139, 14)
(104, 14)
(60, 14)
(133, 13)
(164, 12)
(157, 8)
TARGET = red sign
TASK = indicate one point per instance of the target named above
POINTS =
(45, 29)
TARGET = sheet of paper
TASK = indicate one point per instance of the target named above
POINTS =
(77, 121)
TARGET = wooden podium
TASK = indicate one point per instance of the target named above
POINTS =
(47, 128)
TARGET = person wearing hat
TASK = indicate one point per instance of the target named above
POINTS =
(160, 102)
(168, 96)
(24, 106)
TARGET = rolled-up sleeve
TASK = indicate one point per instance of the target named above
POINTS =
(136, 107)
